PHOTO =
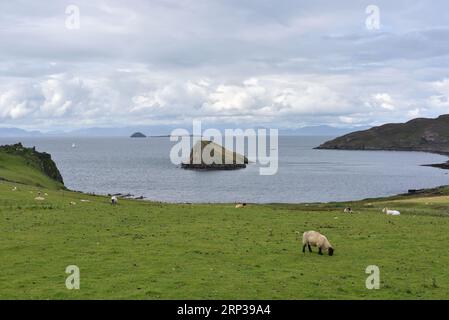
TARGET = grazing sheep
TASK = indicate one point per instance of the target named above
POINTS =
(391, 212)
(72, 203)
(347, 210)
(82, 200)
(39, 199)
(14, 189)
(240, 205)
(114, 200)
(316, 239)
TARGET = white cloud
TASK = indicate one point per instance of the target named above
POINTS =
(383, 100)
(253, 61)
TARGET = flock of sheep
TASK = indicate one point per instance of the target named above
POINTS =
(309, 238)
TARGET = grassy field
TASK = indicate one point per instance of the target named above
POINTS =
(147, 250)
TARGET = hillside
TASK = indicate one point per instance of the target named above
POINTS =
(421, 134)
(27, 166)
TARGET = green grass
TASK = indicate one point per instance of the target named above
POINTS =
(147, 250)
(21, 170)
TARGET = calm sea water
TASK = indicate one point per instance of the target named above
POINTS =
(142, 167)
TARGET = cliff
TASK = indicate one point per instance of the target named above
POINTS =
(39, 160)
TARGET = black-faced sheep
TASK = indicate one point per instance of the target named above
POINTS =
(316, 239)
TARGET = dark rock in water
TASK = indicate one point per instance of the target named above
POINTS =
(218, 155)
(138, 135)
(444, 165)
(41, 160)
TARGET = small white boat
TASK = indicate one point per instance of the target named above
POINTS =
(73, 145)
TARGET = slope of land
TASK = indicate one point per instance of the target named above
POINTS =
(27, 166)
(150, 250)
(430, 135)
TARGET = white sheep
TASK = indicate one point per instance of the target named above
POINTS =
(391, 212)
(316, 239)
(114, 200)
(39, 199)
(14, 189)
(348, 210)
(240, 205)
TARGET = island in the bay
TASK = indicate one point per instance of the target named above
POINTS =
(218, 156)
(138, 135)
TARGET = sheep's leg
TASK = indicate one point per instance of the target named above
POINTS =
(319, 252)
(304, 249)
(310, 248)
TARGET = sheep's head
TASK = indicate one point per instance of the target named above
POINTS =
(330, 251)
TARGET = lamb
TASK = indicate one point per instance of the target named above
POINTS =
(391, 212)
(316, 239)
(114, 200)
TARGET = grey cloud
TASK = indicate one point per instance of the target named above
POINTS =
(140, 61)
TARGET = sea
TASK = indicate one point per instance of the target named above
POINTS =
(142, 167)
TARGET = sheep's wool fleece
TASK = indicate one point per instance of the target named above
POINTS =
(315, 239)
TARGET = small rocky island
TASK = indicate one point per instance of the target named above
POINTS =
(218, 155)
(421, 134)
(138, 135)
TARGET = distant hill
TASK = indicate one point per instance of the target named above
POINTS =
(323, 130)
(165, 130)
(15, 132)
(421, 134)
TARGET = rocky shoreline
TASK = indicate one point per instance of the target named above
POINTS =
(213, 166)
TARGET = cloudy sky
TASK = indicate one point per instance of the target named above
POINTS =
(274, 63)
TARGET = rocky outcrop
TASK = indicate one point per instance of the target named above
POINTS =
(138, 135)
(217, 158)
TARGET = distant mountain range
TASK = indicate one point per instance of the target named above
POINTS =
(15, 132)
(322, 130)
(421, 134)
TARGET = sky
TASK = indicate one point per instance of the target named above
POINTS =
(280, 64)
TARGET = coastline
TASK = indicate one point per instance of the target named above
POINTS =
(421, 191)
(444, 165)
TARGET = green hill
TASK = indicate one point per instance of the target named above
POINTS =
(27, 166)
(421, 134)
